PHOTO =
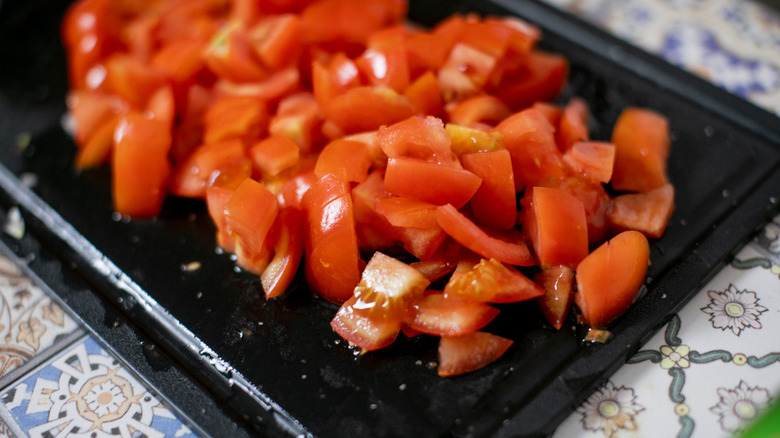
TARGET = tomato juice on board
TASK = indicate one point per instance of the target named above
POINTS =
(381, 159)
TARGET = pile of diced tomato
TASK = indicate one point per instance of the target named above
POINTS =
(420, 176)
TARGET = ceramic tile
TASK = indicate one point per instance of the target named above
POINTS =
(732, 43)
(30, 321)
(4, 431)
(86, 392)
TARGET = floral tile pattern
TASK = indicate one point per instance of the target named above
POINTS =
(86, 392)
(733, 43)
(30, 321)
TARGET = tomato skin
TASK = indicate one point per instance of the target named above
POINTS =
(641, 139)
(349, 159)
(609, 278)
(331, 245)
(140, 165)
(555, 223)
(647, 212)
(444, 315)
(468, 234)
(483, 108)
(494, 204)
(288, 250)
(430, 182)
(593, 197)
(464, 354)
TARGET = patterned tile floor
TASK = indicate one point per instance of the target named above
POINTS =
(712, 369)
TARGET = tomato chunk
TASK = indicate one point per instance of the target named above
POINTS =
(609, 278)
(464, 354)
(491, 281)
(446, 315)
(641, 139)
(648, 212)
(371, 318)
(558, 283)
(430, 182)
(555, 223)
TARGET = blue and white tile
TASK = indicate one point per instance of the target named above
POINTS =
(84, 391)
(30, 320)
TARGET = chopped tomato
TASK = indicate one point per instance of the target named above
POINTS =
(430, 182)
(417, 137)
(491, 281)
(593, 197)
(224, 163)
(249, 214)
(572, 127)
(554, 222)
(366, 108)
(424, 95)
(609, 278)
(446, 315)
(641, 139)
(288, 250)
(349, 159)
(470, 352)
(647, 212)
(483, 108)
(274, 154)
(592, 160)
(494, 204)
(371, 318)
(140, 164)
(468, 234)
(558, 284)
(408, 212)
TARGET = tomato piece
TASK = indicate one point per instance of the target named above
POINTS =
(442, 262)
(274, 154)
(216, 200)
(424, 95)
(464, 140)
(181, 60)
(385, 66)
(249, 215)
(446, 315)
(465, 72)
(558, 284)
(298, 118)
(408, 212)
(346, 25)
(464, 354)
(429, 182)
(333, 77)
(291, 192)
(231, 56)
(550, 111)
(648, 213)
(528, 137)
(468, 234)
(554, 221)
(483, 108)
(277, 40)
(491, 281)
(348, 159)
(371, 318)
(140, 165)
(572, 126)
(593, 197)
(90, 111)
(593, 160)
(418, 137)
(90, 32)
(243, 117)
(288, 250)
(362, 109)
(224, 163)
(97, 149)
(543, 80)
(421, 242)
(331, 245)
(641, 139)
(610, 277)
(277, 85)
(494, 204)
(132, 79)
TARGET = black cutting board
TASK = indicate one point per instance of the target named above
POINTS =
(277, 363)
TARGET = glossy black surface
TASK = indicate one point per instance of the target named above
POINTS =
(277, 362)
